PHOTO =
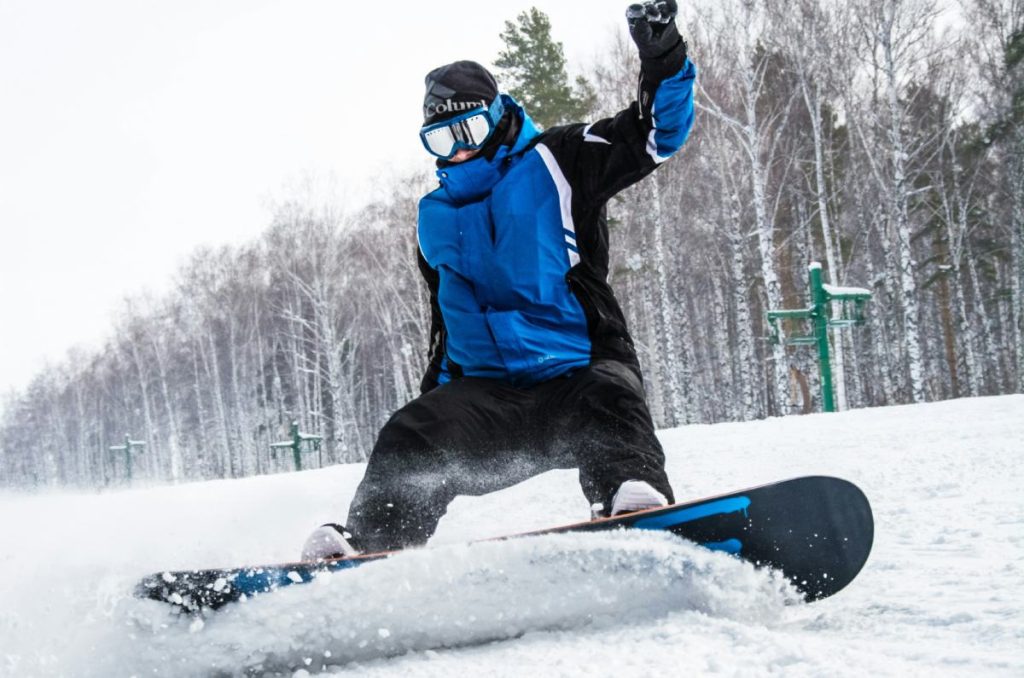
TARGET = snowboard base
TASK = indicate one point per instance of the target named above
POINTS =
(818, 530)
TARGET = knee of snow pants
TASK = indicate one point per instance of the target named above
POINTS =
(607, 428)
(462, 438)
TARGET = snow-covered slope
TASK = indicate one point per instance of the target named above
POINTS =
(941, 594)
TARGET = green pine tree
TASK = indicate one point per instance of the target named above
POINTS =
(532, 68)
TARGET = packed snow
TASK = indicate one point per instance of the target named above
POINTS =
(940, 595)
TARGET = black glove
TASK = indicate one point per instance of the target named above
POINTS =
(653, 27)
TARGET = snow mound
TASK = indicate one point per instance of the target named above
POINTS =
(456, 596)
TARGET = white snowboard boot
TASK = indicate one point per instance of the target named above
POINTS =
(328, 541)
(636, 495)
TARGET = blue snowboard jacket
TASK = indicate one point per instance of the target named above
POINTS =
(514, 247)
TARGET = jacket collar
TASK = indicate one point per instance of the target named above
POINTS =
(471, 180)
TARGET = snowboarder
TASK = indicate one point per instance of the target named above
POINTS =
(531, 366)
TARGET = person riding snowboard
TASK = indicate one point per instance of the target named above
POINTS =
(531, 367)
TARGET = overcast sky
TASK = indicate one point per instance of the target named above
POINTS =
(134, 131)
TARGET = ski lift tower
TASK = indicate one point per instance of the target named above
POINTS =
(127, 449)
(295, 444)
(852, 301)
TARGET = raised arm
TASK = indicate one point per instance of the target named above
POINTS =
(613, 153)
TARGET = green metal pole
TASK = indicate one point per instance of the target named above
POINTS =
(296, 445)
(128, 456)
(820, 301)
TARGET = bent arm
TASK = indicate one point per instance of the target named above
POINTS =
(617, 152)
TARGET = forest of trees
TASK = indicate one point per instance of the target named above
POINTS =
(883, 138)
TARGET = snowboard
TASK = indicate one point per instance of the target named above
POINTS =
(817, 530)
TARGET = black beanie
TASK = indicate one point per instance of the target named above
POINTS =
(457, 87)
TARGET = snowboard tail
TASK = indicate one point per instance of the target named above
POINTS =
(817, 530)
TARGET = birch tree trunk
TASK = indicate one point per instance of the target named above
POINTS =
(149, 434)
(1017, 189)
(812, 99)
(173, 441)
(656, 360)
(1017, 255)
(724, 368)
(744, 324)
(766, 248)
(900, 29)
(955, 208)
(208, 351)
(672, 362)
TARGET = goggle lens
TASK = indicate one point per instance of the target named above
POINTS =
(471, 130)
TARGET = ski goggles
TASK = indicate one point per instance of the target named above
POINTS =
(469, 130)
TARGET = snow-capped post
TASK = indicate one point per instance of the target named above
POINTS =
(127, 449)
(852, 299)
(295, 444)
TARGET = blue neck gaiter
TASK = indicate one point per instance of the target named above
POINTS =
(469, 181)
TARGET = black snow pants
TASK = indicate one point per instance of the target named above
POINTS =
(472, 436)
